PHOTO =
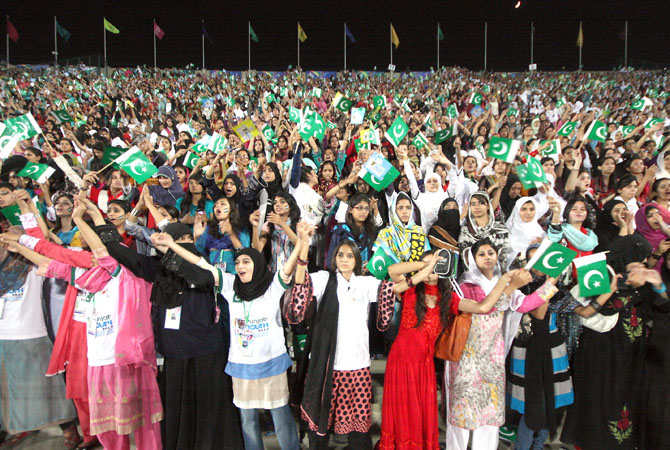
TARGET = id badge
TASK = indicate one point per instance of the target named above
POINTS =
(245, 343)
(91, 324)
(172, 318)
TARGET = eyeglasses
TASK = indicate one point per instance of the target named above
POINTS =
(362, 208)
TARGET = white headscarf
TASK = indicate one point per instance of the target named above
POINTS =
(475, 276)
(429, 203)
(660, 162)
(522, 233)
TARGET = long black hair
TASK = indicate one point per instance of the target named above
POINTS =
(233, 217)
(444, 301)
(294, 209)
(368, 227)
(571, 204)
(188, 197)
(354, 249)
(59, 224)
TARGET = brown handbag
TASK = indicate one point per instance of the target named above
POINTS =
(451, 341)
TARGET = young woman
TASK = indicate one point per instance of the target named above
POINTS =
(626, 188)
(476, 383)
(195, 201)
(604, 183)
(278, 230)
(168, 190)
(117, 213)
(480, 223)
(64, 227)
(405, 240)
(614, 221)
(337, 346)
(445, 231)
(117, 188)
(575, 231)
(358, 227)
(523, 228)
(655, 229)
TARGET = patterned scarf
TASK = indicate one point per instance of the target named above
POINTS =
(406, 241)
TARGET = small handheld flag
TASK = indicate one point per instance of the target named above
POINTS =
(593, 275)
(551, 258)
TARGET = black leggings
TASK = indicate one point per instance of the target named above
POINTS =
(356, 440)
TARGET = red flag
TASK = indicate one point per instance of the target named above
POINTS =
(11, 32)
(157, 31)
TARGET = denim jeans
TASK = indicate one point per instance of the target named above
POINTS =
(284, 423)
(527, 439)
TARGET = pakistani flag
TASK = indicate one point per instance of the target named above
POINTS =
(443, 135)
(512, 112)
(137, 165)
(535, 170)
(567, 129)
(331, 125)
(314, 125)
(475, 99)
(375, 115)
(269, 133)
(316, 92)
(553, 149)
(641, 103)
(379, 264)
(522, 172)
(378, 172)
(379, 101)
(420, 141)
(7, 141)
(503, 149)
(294, 115)
(597, 131)
(109, 154)
(270, 97)
(63, 116)
(560, 102)
(592, 274)
(37, 172)
(371, 136)
(217, 143)
(23, 127)
(12, 214)
(360, 145)
(341, 102)
(551, 258)
(626, 130)
(651, 122)
(190, 160)
(452, 111)
(202, 145)
(397, 132)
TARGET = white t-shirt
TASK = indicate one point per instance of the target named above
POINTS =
(22, 317)
(354, 297)
(256, 332)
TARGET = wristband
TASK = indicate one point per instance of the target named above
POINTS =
(595, 305)
(660, 290)
(135, 212)
(409, 281)
(302, 262)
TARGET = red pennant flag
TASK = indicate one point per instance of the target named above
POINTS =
(11, 32)
(157, 31)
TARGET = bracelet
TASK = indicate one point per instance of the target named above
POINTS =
(302, 262)
(660, 290)
(595, 305)
(409, 281)
(135, 212)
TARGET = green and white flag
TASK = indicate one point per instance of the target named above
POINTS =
(626, 130)
(342, 103)
(294, 115)
(7, 141)
(217, 143)
(314, 125)
(202, 145)
(452, 111)
(360, 145)
(567, 129)
(551, 258)
(379, 101)
(269, 133)
(270, 97)
(316, 92)
(535, 170)
(63, 116)
(597, 131)
(503, 149)
(283, 91)
(379, 264)
(37, 172)
(650, 122)
(331, 125)
(447, 133)
(397, 132)
(513, 112)
(641, 103)
(375, 115)
(371, 135)
(553, 150)
(190, 160)
(560, 102)
(593, 276)
(522, 172)
(475, 99)
(109, 154)
(136, 164)
(378, 172)
(23, 127)
(420, 141)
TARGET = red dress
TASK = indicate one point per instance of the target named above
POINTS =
(409, 409)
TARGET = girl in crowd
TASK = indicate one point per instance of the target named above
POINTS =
(195, 201)
(523, 228)
(358, 227)
(403, 238)
(480, 223)
(445, 231)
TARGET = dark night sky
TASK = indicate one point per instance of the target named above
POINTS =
(556, 24)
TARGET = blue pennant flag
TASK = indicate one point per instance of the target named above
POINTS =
(348, 33)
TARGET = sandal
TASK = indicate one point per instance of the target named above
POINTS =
(93, 443)
(71, 437)
(14, 439)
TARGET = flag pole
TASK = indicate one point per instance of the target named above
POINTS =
(154, 30)
(486, 30)
(391, 41)
(104, 33)
(345, 46)
(438, 46)
(249, 42)
(55, 44)
(580, 46)
(532, 36)
(625, 50)
(202, 29)
(298, 46)
(6, 26)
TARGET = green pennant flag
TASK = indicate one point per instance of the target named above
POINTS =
(420, 141)
(217, 143)
(342, 103)
(62, 32)
(294, 115)
(593, 275)
(269, 133)
(379, 101)
(551, 258)
(503, 149)
(378, 172)
(443, 135)
(597, 131)
(379, 263)
(397, 131)
(522, 172)
(190, 160)
(650, 122)
(535, 170)
(37, 172)
(475, 99)
(440, 36)
(109, 154)
(23, 127)
(137, 165)
(109, 27)
(567, 128)
(63, 116)
(252, 34)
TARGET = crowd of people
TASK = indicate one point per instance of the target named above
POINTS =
(240, 276)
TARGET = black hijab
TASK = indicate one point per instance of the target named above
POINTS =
(238, 184)
(448, 220)
(627, 249)
(260, 279)
(274, 186)
(506, 202)
(168, 289)
(607, 230)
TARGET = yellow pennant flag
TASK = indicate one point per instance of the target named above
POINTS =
(394, 37)
(301, 33)
(580, 36)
